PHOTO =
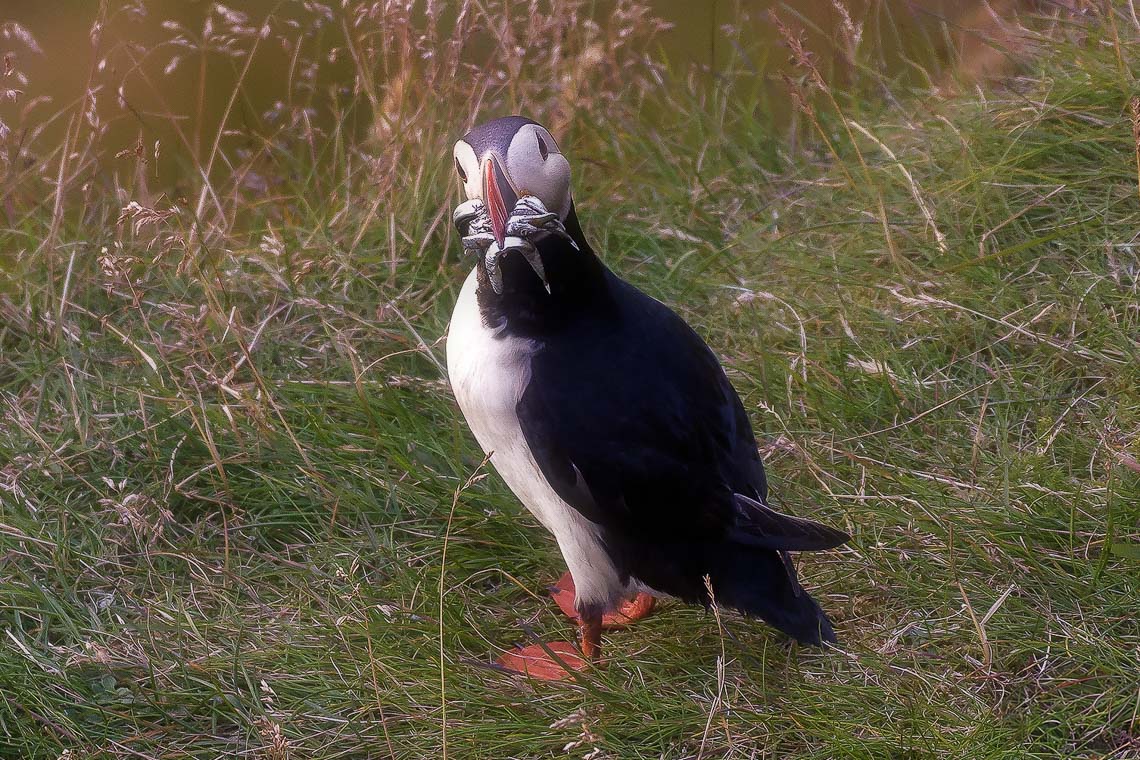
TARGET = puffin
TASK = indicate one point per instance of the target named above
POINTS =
(608, 417)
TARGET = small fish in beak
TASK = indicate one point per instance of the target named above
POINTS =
(500, 200)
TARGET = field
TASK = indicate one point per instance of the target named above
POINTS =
(241, 516)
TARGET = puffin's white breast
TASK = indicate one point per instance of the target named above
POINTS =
(489, 371)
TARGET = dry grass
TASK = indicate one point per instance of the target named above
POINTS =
(228, 451)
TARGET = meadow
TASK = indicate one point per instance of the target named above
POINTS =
(241, 515)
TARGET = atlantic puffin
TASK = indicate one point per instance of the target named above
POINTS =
(607, 415)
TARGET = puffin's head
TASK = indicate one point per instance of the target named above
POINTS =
(502, 160)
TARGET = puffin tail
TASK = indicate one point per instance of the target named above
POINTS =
(762, 582)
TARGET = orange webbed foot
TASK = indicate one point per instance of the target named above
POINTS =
(534, 661)
(629, 612)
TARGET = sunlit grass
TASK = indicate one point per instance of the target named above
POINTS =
(228, 452)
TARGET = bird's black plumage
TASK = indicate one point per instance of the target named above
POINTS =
(633, 422)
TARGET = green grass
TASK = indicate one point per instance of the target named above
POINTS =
(228, 455)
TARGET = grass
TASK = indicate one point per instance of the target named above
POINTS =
(240, 513)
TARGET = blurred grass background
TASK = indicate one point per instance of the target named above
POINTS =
(230, 461)
(175, 63)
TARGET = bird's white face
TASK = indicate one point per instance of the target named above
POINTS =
(527, 162)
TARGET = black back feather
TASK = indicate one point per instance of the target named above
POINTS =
(633, 422)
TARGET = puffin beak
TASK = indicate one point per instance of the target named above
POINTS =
(499, 197)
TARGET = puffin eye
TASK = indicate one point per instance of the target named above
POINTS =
(459, 170)
(542, 149)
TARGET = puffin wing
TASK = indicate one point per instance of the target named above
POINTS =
(636, 426)
(620, 477)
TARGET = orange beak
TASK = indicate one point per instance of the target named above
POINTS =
(497, 192)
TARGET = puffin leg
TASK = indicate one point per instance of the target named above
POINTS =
(630, 611)
(535, 660)
(590, 622)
